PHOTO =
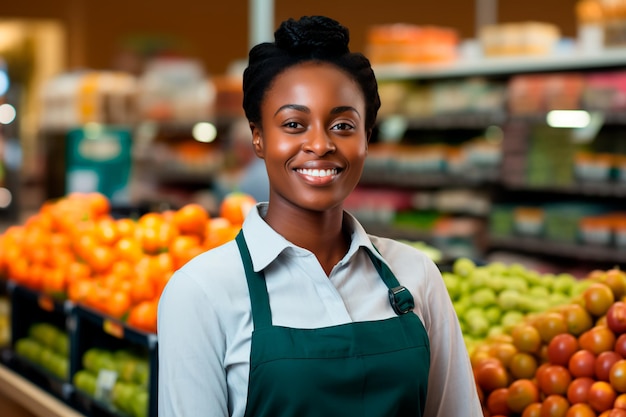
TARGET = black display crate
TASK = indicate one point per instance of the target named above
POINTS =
(86, 329)
(95, 330)
(30, 307)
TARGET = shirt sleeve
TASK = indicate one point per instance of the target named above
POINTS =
(191, 348)
(451, 386)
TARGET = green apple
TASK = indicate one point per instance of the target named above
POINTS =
(463, 266)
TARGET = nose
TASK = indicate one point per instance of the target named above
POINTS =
(319, 141)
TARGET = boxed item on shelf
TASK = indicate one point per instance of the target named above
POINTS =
(175, 89)
(605, 91)
(520, 38)
(76, 98)
(529, 221)
(403, 43)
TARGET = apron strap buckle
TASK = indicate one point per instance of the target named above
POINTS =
(401, 300)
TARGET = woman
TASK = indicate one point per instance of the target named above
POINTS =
(304, 314)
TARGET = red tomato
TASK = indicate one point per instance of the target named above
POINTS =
(601, 396)
(491, 375)
(533, 410)
(578, 390)
(582, 363)
(561, 348)
(554, 380)
(496, 402)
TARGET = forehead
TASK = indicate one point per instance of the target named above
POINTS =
(312, 81)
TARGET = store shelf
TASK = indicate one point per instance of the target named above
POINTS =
(589, 188)
(544, 247)
(31, 397)
(614, 57)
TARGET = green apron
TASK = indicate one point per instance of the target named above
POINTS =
(366, 369)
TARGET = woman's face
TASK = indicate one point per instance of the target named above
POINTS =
(313, 138)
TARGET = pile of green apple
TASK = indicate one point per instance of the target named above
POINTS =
(491, 298)
(128, 394)
(46, 346)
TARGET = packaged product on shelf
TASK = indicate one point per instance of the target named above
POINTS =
(76, 98)
(519, 39)
(403, 43)
(601, 23)
(175, 90)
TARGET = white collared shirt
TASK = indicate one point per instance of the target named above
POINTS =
(205, 323)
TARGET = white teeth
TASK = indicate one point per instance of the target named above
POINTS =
(318, 172)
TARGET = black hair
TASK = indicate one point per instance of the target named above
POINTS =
(311, 38)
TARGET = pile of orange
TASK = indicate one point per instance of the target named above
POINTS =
(74, 248)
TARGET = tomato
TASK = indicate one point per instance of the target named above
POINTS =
(523, 365)
(503, 351)
(549, 324)
(561, 348)
(580, 410)
(616, 317)
(582, 363)
(615, 278)
(533, 410)
(604, 362)
(601, 396)
(491, 375)
(598, 339)
(578, 390)
(598, 298)
(526, 338)
(617, 412)
(554, 380)
(522, 392)
(496, 402)
(617, 375)
(554, 406)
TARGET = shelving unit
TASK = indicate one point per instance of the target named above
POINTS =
(506, 182)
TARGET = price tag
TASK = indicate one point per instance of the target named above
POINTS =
(104, 385)
(46, 303)
(113, 328)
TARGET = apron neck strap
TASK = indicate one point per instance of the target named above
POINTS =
(400, 298)
(257, 287)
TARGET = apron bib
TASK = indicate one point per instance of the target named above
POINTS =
(366, 369)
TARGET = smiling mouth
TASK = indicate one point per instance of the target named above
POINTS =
(320, 173)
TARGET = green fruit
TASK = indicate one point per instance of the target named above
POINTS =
(508, 299)
(483, 297)
(511, 318)
(463, 266)
(85, 381)
(141, 404)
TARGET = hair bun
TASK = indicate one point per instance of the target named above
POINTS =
(315, 36)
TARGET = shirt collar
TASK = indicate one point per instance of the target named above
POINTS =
(265, 244)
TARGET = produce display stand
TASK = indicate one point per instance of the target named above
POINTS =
(33, 386)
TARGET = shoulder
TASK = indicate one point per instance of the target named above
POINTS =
(216, 276)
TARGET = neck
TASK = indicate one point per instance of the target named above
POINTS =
(319, 232)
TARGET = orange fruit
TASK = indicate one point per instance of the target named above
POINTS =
(191, 219)
(235, 206)
(143, 316)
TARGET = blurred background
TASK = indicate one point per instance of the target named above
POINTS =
(142, 102)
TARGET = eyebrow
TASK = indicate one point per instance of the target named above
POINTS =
(304, 109)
